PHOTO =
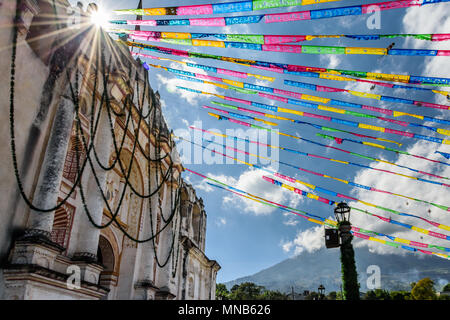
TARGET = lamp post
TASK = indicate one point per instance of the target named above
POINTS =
(349, 274)
(321, 291)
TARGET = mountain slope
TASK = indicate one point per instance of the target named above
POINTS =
(308, 270)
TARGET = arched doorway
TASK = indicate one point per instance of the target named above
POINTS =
(106, 257)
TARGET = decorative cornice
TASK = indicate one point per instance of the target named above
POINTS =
(145, 284)
(41, 237)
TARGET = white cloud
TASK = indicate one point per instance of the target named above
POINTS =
(331, 61)
(309, 240)
(291, 221)
(251, 181)
(221, 221)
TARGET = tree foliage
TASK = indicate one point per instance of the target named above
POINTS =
(248, 291)
(424, 290)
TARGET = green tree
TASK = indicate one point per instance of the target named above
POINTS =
(400, 295)
(446, 287)
(312, 296)
(377, 294)
(222, 292)
(424, 290)
(273, 295)
(246, 291)
(332, 296)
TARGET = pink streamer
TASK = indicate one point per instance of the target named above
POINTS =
(402, 133)
(437, 235)
(444, 53)
(290, 16)
(376, 109)
(207, 77)
(240, 122)
(360, 235)
(440, 37)
(391, 5)
(288, 93)
(208, 22)
(195, 10)
(251, 111)
(232, 73)
(431, 105)
(273, 69)
(399, 122)
(418, 244)
(267, 95)
(318, 116)
(329, 89)
(282, 39)
(151, 23)
(238, 100)
(282, 48)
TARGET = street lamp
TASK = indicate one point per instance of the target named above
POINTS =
(321, 291)
(342, 212)
(348, 267)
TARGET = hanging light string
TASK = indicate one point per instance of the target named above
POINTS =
(317, 219)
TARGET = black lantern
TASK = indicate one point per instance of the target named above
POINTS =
(342, 212)
(321, 291)
(331, 238)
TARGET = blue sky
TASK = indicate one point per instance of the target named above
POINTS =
(245, 238)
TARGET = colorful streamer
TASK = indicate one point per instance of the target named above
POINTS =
(323, 190)
(304, 74)
(446, 155)
(317, 219)
(219, 8)
(282, 68)
(321, 144)
(367, 95)
(270, 18)
(273, 39)
(236, 115)
(326, 158)
(327, 201)
(315, 173)
(248, 88)
(289, 48)
(333, 223)
(318, 116)
(228, 72)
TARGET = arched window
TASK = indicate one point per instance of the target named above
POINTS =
(62, 224)
(73, 162)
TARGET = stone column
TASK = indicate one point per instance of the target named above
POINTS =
(87, 242)
(47, 189)
(145, 286)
